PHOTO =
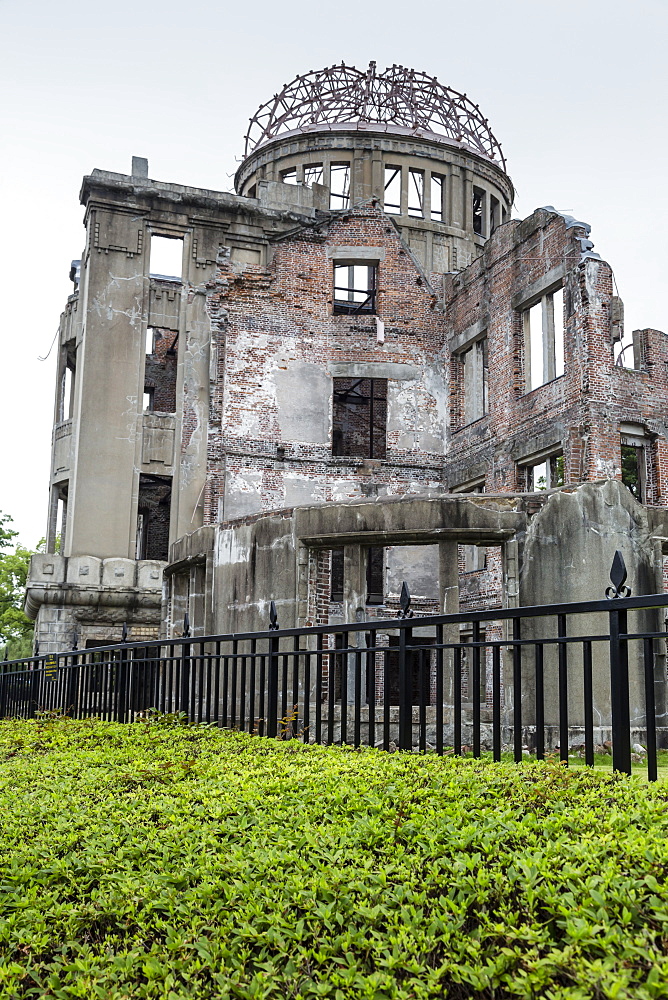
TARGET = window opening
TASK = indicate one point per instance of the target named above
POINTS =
(336, 576)
(478, 211)
(61, 516)
(416, 193)
(475, 364)
(392, 198)
(437, 191)
(359, 417)
(546, 475)
(313, 173)
(160, 371)
(339, 185)
(375, 575)
(543, 325)
(68, 390)
(634, 461)
(155, 494)
(494, 214)
(354, 288)
(166, 257)
(289, 176)
(252, 192)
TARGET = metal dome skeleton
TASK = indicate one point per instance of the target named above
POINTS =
(399, 97)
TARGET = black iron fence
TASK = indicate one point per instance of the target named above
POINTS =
(579, 678)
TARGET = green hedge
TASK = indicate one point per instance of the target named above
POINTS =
(175, 862)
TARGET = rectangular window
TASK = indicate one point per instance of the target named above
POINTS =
(339, 185)
(474, 557)
(545, 475)
(416, 194)
(155, 494)
(166, 257)
(354, 288)
(392, 199)
(475, 364)
(359, 419)
(160, 371)
(543, 328)
(634, 455)
(289, 176)
(478, 211)
(494, 214)
(437, 191)
(313, 173)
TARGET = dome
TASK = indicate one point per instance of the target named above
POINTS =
(396, 100)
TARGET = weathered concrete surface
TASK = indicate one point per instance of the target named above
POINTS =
(568, 551)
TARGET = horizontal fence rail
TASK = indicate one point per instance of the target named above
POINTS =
(579, 678)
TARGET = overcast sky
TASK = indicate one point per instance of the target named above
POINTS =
(575, 91)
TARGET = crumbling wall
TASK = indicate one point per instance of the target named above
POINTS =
(279, 348)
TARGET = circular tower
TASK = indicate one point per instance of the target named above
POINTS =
(424, 151)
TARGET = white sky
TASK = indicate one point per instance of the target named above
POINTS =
(575, 91)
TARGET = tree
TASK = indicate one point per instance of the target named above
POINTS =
(16, 631)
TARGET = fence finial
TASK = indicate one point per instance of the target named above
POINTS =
(75, 644)
(124, 632)
(405, 602)
(273, 617)
(618, 578)
(186, 626)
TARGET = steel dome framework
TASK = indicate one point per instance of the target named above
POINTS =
(398, 96)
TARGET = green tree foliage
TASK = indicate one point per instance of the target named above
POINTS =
(16, 631)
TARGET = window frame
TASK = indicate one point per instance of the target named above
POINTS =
(350, 306)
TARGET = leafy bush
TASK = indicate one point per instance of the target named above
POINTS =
(170, 861)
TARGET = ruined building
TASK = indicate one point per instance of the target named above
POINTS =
(357, 370)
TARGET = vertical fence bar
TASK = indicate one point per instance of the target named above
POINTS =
(517, 690)
(226, 689)
(262, 721)
(318, 689)
(475, 694)
(423, 680)
(344, 687)
(650, 709)
(563, 690)
(539, 654)
(357, 721)
(294, 711)
(331, 692)
(588, 702)
(439, 690)
(405, 691)
(252, 719)
(457, 701)
(307, 698)
(496, 703)
(272, 692)
(370, 674)
(284, 695)
(242, 694)
(619, 691)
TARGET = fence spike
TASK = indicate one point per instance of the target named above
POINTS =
(186, 626)
(124, 633)
(405, 602)
(618, 578)
(273, 617)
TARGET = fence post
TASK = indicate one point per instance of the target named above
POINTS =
(405, 675)
(272, 676)
(619, 670)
